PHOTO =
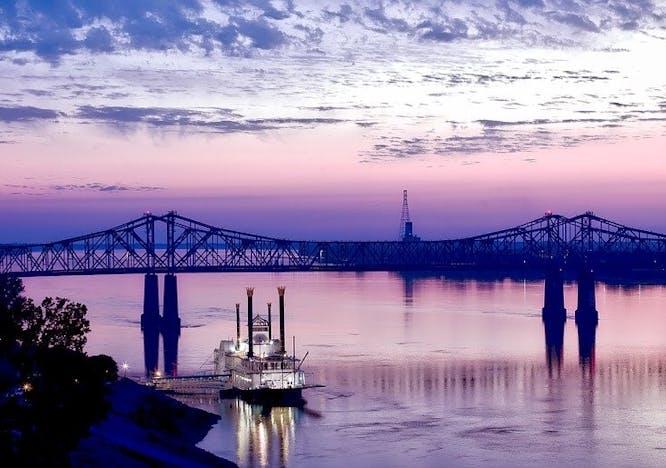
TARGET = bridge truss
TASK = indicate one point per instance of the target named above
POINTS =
(174, 243)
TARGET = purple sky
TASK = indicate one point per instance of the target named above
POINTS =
(307, 119)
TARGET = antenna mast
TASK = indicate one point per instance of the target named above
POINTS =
(404, 218)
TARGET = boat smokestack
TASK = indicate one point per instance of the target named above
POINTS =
(250, 291)
(237, 325)
(270, 323)
(281, 293)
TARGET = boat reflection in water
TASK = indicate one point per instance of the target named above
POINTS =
(264, 435)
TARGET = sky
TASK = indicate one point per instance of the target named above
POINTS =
(307, 119)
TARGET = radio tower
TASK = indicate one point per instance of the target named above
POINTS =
(404, 218)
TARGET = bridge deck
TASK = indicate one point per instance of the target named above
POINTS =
(173, 243)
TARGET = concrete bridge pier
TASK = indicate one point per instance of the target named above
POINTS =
(150, 323)
(587, 306)
(170, 325)
(553, 301)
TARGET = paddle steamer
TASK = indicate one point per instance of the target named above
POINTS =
(259, 368)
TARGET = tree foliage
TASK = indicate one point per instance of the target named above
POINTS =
(56, 323)
(12, 304)
(50, 390)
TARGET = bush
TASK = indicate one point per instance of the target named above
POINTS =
(104, 367)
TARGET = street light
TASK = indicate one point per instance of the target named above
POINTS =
(125, 366)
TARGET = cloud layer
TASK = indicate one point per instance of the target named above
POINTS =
(407, 78)
(54, 29)
(25, 114)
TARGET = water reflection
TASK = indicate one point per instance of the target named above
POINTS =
(420, 371)
(554, 334)
(408, 290)
(264, 435)
(408, 299)
(448, 377)
(554, 324)
(170, 337)
(587, 336)
(554, 331)
(151, 344)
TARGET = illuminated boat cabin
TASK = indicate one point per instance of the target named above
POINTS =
(261, 363)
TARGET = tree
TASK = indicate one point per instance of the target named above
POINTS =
(11, 290)
(12, 304)
(50, 390)
(56, 323)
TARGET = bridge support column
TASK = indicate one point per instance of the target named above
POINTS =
(170, 325)
(150, 323)
(587, 305)
(553, 301)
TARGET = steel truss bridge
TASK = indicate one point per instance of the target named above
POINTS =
(172, 243)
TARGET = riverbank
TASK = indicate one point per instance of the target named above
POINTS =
(146, 428)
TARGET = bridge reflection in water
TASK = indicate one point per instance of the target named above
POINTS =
(450, 395)
(554, 334)
(481, 400)
(554, 316)
(581, 246)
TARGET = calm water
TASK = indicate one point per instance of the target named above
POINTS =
(425, 371)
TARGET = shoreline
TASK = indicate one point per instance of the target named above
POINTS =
(146, 428)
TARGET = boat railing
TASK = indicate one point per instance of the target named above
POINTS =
(269, 365)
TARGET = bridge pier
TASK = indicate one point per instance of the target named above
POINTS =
(553, 301)
(150, 323)
(587, 305)
(170, 325)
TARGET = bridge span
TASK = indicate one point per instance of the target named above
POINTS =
(172, 243)
(552, 246)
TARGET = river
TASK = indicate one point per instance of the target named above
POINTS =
(419, 369)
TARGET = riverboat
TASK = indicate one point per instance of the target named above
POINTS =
(259, 368)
